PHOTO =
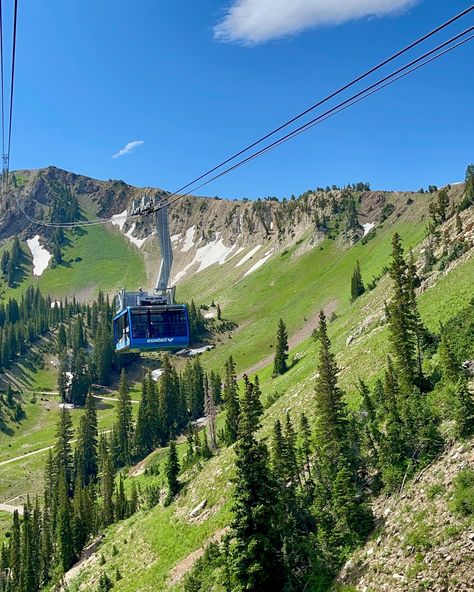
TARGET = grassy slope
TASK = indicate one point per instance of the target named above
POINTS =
(108, 261)
(290, 285)
(305, 283)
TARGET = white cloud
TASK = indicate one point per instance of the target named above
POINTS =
(254, 21)
(128, 148)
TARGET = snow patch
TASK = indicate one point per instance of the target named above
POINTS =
(188, 239)
(259, 263)
(119, 219)
(55, 304)
(175, 238)
(210, 315)
(213, 252)
(66, 406)
(368, 227)
(155, 374)
(194, 352)
(136, 241)
(41, 256)
(248, 256)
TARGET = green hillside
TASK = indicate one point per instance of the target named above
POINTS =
(94, 257)
(295, 288)
(296, 282)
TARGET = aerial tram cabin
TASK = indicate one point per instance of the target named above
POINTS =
(145, 322)
(152, 321)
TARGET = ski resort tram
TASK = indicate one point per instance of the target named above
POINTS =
(145, 322)
(152, 321)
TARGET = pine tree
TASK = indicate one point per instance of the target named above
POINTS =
(105, 583)
(106, 482)
(250, 404)
(64, 534)
(401, 318)
(86, 447)
(210, 411)
(450, 366)
(46, 547)
(463, 409)
(124, 423)
(256, 552)
(357, 285)
(168, 400)
(134, 500)
(215, 385)
(459, 226)
(281, 351)
(27, 567)
(63, 457)
(231, 401)
(61, 339)
(442, 204)
(305, 446)
(80, 379)
(172, 471)
(332, 423)
(15, 552)
(120, 501)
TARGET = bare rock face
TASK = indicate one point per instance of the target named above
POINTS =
(420, 542)
(204, 230)
(468, 366)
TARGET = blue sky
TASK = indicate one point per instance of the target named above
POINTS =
(195, 81)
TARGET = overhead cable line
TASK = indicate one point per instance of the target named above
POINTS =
(371, 89)
(2, 90)
(12, 84)
(329, 97)
(379, 85)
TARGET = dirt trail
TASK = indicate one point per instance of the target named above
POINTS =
(39, 451)
(87, 557)
(182, 568)
(300, 335)
(105, 398)
(10, 509)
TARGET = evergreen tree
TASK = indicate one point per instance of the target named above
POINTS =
(459, 227)
(305, 446)
(251, 405)
(106, 482)
(63, 457)
(281, 351)
(15, 552)
(256, 551)
(124, 423)
(210, 412)
(168, 400)
(442, 205)
(357, 285)
(215, 385)
(120, 501)
(172, 471)
(332, 426)
(61, 339)
(86, 447)
(401, 318)
(64, 534)
(450, 366)
(80, 379)
(231, 402)
(463, 409)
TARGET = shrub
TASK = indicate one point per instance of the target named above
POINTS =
(463, 493)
